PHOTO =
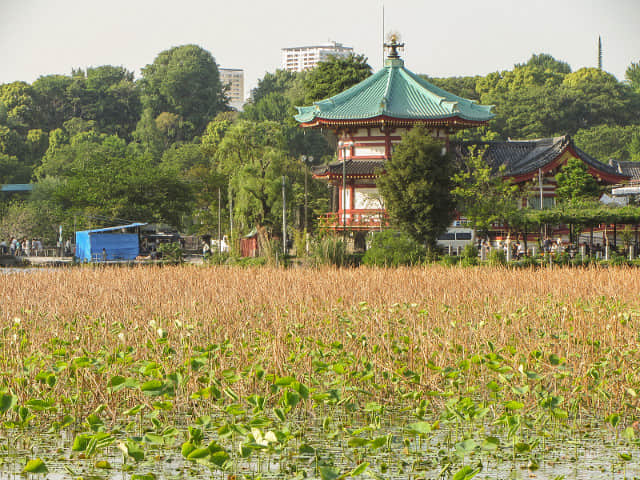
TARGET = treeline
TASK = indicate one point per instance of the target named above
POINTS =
(102, 146)
(544, 98)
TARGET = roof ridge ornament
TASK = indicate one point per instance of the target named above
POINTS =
(393, 46)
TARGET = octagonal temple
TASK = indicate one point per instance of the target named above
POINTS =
(368, 120)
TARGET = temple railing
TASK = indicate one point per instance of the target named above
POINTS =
(373, 219)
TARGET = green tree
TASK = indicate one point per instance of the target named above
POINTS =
(464, 87)
(608, 141)
(13, 170)
(98, 174)
(282, 81)
(254, 158)
(575, 183)
(334, 76)
(51, 101)
(597, 97)
(632, 75)
(18, 100)
(484, 196)
(416, 186)
(185, 81)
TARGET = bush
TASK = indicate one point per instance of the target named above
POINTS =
(330, 250)
(393, 248)
(170, 252)
(497, 257)
(450, 260)
(469, 255)
(469, 251)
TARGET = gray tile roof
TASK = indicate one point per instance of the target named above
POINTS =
(632, 169)
(520, 157)
(354, 168)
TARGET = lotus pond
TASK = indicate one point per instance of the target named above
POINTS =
(230, 373)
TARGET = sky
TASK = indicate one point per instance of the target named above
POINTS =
(446, 38)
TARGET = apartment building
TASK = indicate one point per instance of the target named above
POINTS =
(298, 59)
(234, 78)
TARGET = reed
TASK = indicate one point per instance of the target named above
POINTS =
(402, 331)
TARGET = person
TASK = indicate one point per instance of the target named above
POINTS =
(104, 255)
(12, 246)
(4, 248)
(224, 246)
(205, 249)
(520, 250)
(27, 247)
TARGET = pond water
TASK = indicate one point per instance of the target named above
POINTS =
(326, 448)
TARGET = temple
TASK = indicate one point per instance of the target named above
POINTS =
(369, 119)
(533, 165)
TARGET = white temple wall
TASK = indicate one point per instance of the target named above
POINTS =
(367, 199)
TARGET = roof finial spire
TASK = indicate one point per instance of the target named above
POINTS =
(393, 46)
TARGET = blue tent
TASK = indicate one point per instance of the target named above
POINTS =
(103, 244)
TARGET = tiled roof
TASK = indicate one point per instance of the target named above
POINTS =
(632, 169)
(520, 157)
(394, 92)
(353, 168)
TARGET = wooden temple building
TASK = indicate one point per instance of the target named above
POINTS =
(369, 119)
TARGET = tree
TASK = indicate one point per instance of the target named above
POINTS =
(547, 62)
(98, 174)
(596, 97)
(252, 156)
(279, 82)
(334, 76)
(416, 186)
(464, 87)
(608, 141)
(575, 183)
(185, 81)
(51, 101)
(18, 100)
(632, 75)
(484, 196)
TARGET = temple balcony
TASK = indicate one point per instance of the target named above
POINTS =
(355, 220)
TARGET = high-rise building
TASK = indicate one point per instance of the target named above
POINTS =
(233, 78)
(298, 59)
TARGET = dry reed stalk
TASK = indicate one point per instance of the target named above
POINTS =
(392, 318)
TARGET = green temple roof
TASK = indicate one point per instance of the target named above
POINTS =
(396, 95)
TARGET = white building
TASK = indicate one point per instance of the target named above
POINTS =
(298, 59)
(234, 79)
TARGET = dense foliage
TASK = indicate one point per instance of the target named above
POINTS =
(391, 248)
(166, 147)
(417, 186)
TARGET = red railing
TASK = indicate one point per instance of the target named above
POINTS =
(355, 220)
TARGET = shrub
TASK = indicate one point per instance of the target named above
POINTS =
(449, 260)
(497, 257)
(469, 255)
(393, 248)
(330, 250)
(170, 252)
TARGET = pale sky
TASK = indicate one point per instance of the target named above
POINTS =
(446, 38)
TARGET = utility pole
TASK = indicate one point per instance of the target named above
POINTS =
(344, 194)
(284, 219)
(219, 220)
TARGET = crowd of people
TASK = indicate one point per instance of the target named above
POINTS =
(21, 247)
